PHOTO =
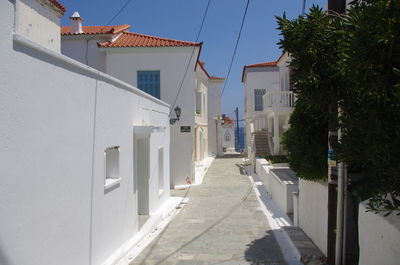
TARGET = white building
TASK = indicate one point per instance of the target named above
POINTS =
(269, 101)
(278, 105)
(258, 79)
(157, 66)
(214, 116)
(82, 153)
(228, 136)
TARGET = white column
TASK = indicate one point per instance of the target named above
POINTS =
(276, 134)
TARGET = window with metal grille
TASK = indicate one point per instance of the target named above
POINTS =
(258, 99)
(149, 82)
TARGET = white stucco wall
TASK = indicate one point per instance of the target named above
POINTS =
(123, 63)
(231, 131)
(38, 22)
(262, 78)
(283, 65)
(182, 155)
(313, 211)
(83, 48)
(214, 110)
(57, 117)
(171, 62)
(379, 237)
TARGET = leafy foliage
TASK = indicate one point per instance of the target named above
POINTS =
(351, 62)
(370, 59)
(277, 159)
(312, 42)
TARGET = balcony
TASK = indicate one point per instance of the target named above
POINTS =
(279, 100)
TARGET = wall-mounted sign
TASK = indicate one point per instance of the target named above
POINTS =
(185, 128)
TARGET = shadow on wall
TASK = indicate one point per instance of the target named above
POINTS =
(264, 251)
(3, 258)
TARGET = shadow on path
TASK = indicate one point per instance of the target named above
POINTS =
(263, 250)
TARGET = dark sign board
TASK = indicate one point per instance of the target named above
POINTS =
(185, 128)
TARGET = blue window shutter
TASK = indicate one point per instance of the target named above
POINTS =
(149, 82)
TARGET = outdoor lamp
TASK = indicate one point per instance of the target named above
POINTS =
(177, 114)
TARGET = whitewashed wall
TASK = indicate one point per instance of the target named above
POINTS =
(261, 78)
(57, 117)
(379, 237)
(313, 211)
(172, 64)
(214, 109)
(84, 49)
(231, 131)
(38, 21)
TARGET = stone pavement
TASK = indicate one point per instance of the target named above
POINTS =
(221, 224)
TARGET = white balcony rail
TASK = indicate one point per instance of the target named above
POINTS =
(279, 99)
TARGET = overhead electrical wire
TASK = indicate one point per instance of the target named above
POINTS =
(191, 56)
(236, 46)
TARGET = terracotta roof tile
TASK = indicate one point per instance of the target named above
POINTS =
(130, 39)
(266, 64)
(92, 30)
(58, 5)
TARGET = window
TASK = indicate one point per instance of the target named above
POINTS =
(149, 82)
(111, 157)
(160, 171)
(258, 99)
(227, 136)
(198, 102)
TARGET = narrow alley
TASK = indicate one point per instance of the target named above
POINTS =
(221, 224)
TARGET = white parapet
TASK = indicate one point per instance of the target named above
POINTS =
(379, 237)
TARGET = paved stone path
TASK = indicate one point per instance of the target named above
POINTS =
(221, 224)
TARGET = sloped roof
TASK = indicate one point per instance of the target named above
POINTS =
(93, 30)
(258, 65)
(131, 39)
(58, 5)
(216, 78)
(203, 68)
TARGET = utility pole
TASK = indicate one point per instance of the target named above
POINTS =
(337, 178)
(237, 130)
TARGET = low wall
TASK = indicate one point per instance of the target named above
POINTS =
(279, 185)
(260, 162)
(379, 237)
(313, 211)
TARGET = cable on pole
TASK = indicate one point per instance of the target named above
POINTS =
(191, 56)
(236, 46)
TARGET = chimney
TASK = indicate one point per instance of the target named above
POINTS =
(76, 23)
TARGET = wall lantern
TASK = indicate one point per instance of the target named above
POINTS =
(177, 113)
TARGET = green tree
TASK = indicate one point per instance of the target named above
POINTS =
(313, 44)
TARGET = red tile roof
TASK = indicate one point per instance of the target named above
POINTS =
(58, 5)
(130, 39)
(216, 78)
(92, 30)
(266, 64)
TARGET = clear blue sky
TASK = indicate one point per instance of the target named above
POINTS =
(180, 19)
